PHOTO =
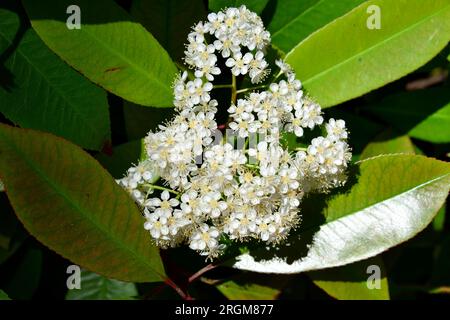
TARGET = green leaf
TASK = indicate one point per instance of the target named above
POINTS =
(346, 59)
(3, 295)
(169, 21)
(365, 128)
(8, 223)
(123, 156)
(351, 282)
(24, 280)
(441, 276)
(96, 287)
(439, 220)
(15, 243)
(12, 234)
(70, 203)
(110, 49)
(386, 143)
(294, 20)
(387, 200)
(253, 287)
(253, 5)
(139, 120)
(423, 114)
(40, 91)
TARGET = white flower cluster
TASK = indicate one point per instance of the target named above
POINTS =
(239, 193)
(233, 29)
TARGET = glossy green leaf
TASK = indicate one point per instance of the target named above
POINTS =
(386, 143)
(235, 291)
(253, 287)
(96, 287)
(387, 200)
(139, 120)
(9, 223)
(169, 21)
(439, 220)
(365, 128)
(15, 243)
(122, 157)
(346, 59)
(40, 91)
(3, 295)
(423, 114)
(351, 282)
(253, 5)
(293, 20)
(24, 280)
(441, 276)
(110, 49)
(12, 234)
(71, 204)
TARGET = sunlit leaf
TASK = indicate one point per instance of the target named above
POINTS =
(347, 59)
(111, 49)
(253, 5)
(351, 282)
(292, 20)
(388, 200)
(388, 142)
(39, 91)
(249, 286)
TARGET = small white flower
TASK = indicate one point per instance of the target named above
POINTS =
(239, 64)
(163, 206)
(258, 68)
(245, 127)
(205, 238)
(156, 224)
(191, 204)
(284, 67)
(288, 179)
(207, 71)
(216, 22)
(311, 115)
(336, 130)
(226, 46)
(199, 91)
(212, 204)
(266, 227)
(242, 222)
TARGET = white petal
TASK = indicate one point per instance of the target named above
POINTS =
(165, 195)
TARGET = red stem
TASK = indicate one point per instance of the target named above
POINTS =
(182, 294)
(201, 271)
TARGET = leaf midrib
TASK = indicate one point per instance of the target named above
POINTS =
(61, 192)
(373, 47)
(301, 15)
